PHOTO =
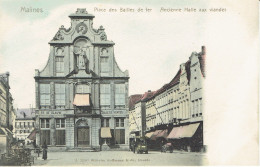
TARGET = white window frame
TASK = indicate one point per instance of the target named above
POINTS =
(58, 120)
(105, 95)
(105, 121)
(45, 123)
(59, 65)
(45, 92)
(119, 122)
(60, 95)
(120, 94)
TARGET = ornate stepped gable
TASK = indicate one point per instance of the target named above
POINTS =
(83, 49)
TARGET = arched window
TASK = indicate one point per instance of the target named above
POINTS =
(59, 62)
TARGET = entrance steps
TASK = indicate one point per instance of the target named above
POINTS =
(82, 149)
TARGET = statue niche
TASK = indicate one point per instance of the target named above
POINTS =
(81, 54)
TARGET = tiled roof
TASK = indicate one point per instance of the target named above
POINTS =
(147, 95)
(133, 99)
(25, 113)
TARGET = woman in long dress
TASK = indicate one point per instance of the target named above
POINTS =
(44, 151)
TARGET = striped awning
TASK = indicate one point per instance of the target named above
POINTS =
(6, 132)
(105, 132)
(148, 135)
(163, 134)
(153, 137)
(190, 130)
(32, 135)
(186, 131)
(81, 100)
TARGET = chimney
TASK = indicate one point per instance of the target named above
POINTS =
(203, 50)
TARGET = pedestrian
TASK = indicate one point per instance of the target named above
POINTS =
(161, 145)
(44, 151)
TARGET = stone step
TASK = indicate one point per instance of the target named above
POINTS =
(82, 149)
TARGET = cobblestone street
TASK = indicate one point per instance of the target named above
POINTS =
(119, 158)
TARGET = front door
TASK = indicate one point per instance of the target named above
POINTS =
(83, 137)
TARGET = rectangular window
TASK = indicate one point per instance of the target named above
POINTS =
(105, 94)
(119, 136)
(60, 94)
(120, 94)
(60, 123)
(120, 122)
(45, 94)
(82, 89)
(105, 122)
(59, 60)
(45, 123)
(45, 137)
(104, 64)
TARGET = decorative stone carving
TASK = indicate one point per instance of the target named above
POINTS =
(82, 28)
(81, 10)
(95, 30)
(59, 51)
(58, 36)
(82, 122)
(104, 52)
(80, 51)
(103, 36)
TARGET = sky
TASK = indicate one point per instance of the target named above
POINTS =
(151, 46)
(148, 45)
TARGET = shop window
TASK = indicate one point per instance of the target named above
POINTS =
(105, 122)
(60, 123)
(119, 122)
(45, 123)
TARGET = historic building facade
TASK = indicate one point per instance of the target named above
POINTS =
(174, 113)
(7, 113)
(24, 123)
(81, 94)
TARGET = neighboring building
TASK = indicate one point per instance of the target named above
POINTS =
(133, 125)
(175, 111)
(81, 94)
(6, 113)
(137, 113)
(24, 123)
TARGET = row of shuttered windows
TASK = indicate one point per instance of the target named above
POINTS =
(105, 94)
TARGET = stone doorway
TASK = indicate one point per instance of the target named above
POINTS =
(83, 136)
